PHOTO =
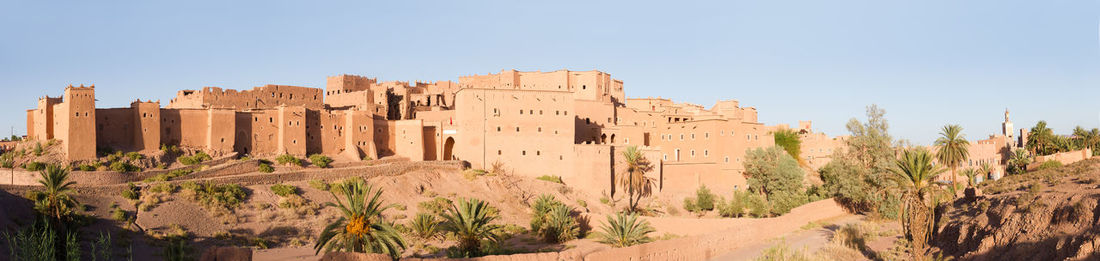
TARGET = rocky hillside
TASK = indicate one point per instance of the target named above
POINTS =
(1048, 214)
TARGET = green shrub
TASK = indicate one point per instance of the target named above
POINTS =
(131, 192)
(319, 184)
(320, 160)
(736, 206)
(7, 160)
(35, 166)
(555, 179)
(1050, 164)
(266, 168)
(704, 199)
(119, 215)
(197, 158)
(134, 155)
(122, 166)
(287, 159)
(758, 206)
(435, 206)
(782, 202)
(552, 220)
(86, 167)
(214, 196)
(169, 149)
(38, 149)
(689, 205)
(284, 190)
(163, 188)
(424, 226)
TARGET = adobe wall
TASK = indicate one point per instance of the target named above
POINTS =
(267, 96)
(681, 178)
(115, 128)
(291, 132)
(516, 127)
(30, 124)
(1065, 158)
(146, 131)
(591, 118)
(79, 117)
(220, 134)
(817, 149)
(409, 139)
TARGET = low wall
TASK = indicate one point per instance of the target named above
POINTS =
(1066, 158)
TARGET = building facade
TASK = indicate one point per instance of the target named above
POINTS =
(572, 124)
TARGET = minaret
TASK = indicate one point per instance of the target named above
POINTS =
(1007, 130)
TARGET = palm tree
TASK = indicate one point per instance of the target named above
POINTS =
(986, 170)
(623, 230)
(635, 182)
(914, 176)
(470, 222)
(362, 228)
(56, 200)
(1080, 137)
(953, 149)
(1018, 161)
(970, 174)
(1039, 139)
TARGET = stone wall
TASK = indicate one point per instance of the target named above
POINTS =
(1066, 158)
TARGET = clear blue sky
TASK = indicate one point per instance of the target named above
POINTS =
(928, 63)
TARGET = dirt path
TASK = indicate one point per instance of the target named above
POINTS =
(807, 240)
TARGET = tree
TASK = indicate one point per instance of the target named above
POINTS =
(636, 184)
(1040, 139)
(771, 171)
(953, 149)
(623, 230)
(914, 175)
(986, 171)
(470, 222)
(789, 141)
(859, 176)
(56, 199)
(362, 228)
(1017, 163)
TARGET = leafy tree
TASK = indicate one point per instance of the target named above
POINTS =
(471, 223)
(362, 227)
(623, 230)
(859, 176)
(634, 181)
(736, 206)
(915, 175)
(953, 149)
(771, 171)
(789, 140)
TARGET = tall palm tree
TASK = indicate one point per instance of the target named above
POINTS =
(635, 182)
(953, 149)
(470, 222)
(623, 230)
(914, 175)
(1039, 139)
(1080, 137)
(362, 228)
(56, 200)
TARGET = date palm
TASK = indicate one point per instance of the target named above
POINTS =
(986, 171)
(914, 177)
(361, 228)
(56, 199)
(1040, 138)
(635, 182)
(953, 149)
(470, 222)
(623, 230)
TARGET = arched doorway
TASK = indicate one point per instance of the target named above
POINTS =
(603, 138)
(612, 138)
(448, 148)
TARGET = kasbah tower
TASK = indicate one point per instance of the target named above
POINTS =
(573, 124)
